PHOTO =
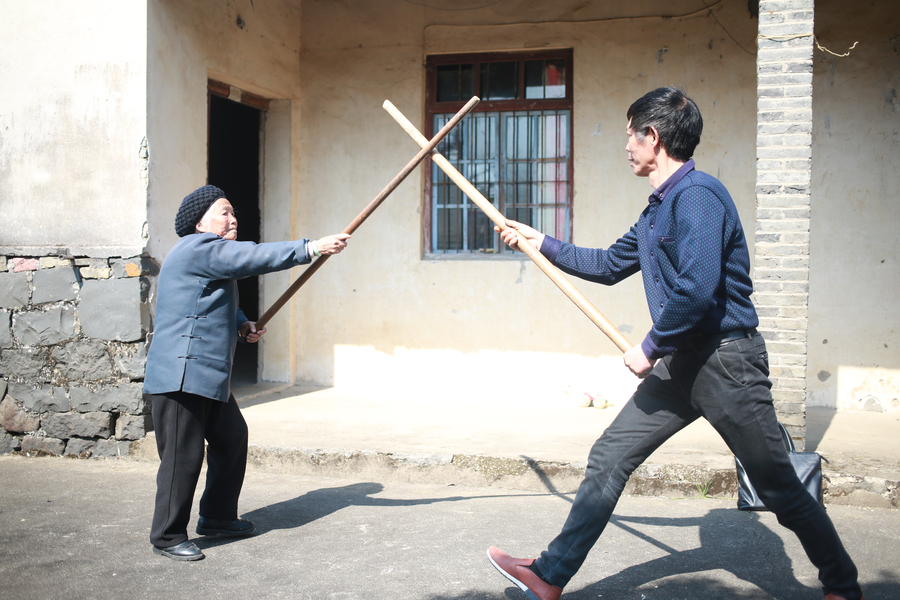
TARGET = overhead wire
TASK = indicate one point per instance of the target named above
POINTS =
(708, 8)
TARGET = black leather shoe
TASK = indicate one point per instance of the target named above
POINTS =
(236, 528)
(186, 550)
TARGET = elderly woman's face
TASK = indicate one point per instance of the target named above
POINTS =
(220, 220)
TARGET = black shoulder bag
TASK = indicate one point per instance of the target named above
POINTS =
(808, 466)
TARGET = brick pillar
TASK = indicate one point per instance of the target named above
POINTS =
(783, 173)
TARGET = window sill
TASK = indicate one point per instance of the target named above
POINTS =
(475, 256)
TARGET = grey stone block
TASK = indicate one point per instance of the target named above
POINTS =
(73, 424)
(111, 309)
(111, 448)
(33, 443)
(133, 427)
(2, 388)
(23, 362)
(86, 360)
(8, 443)
(14, 419)
(41, 400)
(45, 328)
(77, 446)
(84, 399)
(5, 332)
(131, 359)
(127, 398)
(14, 290)
(53, 285)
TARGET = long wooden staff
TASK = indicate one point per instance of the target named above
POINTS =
(524, 245)
(427, 147)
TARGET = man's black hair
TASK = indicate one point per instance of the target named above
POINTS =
(674, 115)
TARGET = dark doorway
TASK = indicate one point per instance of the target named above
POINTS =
(234, 137)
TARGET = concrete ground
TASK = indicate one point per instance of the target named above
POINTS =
(78, 529)
(551, 429)
(529, 444)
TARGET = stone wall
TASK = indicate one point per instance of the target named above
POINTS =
(73, 334)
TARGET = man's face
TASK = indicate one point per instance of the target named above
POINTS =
(220, 220)
(641, 152)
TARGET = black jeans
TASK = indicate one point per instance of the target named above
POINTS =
(182, 422)
(728, 385)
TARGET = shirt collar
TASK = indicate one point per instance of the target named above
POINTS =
(660, 193)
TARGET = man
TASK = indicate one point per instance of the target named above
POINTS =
(702, 358)
(189, 364)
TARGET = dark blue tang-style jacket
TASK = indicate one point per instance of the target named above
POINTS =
(197, 313)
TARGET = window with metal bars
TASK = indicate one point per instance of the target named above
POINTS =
(515, 148)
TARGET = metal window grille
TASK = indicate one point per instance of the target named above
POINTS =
(519, 160)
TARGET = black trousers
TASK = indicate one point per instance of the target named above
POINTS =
(183, 422)
(728, 385)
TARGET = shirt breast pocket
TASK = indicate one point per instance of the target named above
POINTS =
(665, 239)
(668, 248)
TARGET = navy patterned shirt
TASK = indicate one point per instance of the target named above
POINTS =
(690, 248)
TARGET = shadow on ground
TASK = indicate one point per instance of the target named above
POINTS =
(317, 504)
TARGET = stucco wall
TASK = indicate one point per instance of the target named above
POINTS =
(190, 42)
(383, 315)
(255, 47)
(854, 354)
(71, 128)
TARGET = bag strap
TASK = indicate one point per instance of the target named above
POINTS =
(788, 442)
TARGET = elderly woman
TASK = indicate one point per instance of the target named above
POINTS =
(198, 323)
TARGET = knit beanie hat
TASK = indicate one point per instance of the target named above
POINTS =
(194, 206)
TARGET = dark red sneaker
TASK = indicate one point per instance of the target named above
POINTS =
(836, 597)
(517, 571)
